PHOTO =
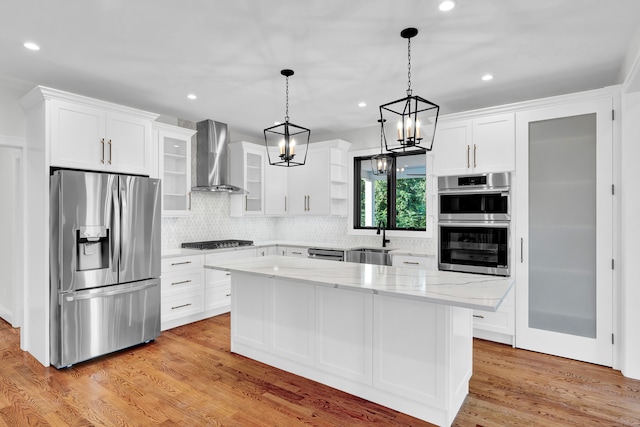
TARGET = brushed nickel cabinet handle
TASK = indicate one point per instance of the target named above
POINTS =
(102, 154)
(180, 283)
(478, 316)
(285, 203)
(296, 253)
(411, 262)
(180, 306)
(189, 200)
(468, 152)
(521, 250)
(181, 263)
(475, 150)
(246, 202)
(228, 295)
(110, 157)
(228, 274)
(309, 202)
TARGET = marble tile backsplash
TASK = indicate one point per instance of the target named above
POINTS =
(210, 220)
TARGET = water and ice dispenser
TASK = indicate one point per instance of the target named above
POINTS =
(92, 246)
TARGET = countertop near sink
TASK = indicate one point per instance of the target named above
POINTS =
(338, 246)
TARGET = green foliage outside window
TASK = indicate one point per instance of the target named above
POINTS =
(410, 201)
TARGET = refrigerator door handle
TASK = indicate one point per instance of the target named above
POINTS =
(116, 221)
(92, 294)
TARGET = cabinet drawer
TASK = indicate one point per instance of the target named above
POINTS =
(217, 296)
(216, 277)
(500, 321)
(412, 261)
(181, 263)
(181, 305)
(181, 282)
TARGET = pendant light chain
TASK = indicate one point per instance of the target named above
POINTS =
(409, 91)
(286, 116)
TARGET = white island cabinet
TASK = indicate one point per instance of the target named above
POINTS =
(398, 337)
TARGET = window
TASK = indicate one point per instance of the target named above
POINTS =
(396, 200)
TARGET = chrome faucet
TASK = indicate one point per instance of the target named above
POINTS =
(384, 237)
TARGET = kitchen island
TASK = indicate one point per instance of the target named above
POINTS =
(395, 336)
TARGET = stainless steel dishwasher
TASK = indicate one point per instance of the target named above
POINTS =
(332, 254)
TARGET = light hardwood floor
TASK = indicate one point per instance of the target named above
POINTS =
(188, 377)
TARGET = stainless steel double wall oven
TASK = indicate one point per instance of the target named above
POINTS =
(474, 222)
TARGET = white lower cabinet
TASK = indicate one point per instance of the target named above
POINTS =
(292, 317)
(296, 251)
(496, 326)
(182, 292)
(217, 288)
(267, 250)
(409, 355)
(413, 261)
(341, 346)
(499, 326)
(250, 321)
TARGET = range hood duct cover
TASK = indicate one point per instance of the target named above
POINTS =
(212, 158)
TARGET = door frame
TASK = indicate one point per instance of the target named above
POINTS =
(601, 348)
(17, 241)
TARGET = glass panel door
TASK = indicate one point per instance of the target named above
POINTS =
(564, 225)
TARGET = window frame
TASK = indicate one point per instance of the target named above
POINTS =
(355, 186)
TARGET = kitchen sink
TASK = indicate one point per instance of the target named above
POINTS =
(377, 256)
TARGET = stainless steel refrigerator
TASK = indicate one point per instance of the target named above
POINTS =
(104, 263)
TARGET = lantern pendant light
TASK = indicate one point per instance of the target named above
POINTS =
(415, 116)
(287, 144)
(381, 163)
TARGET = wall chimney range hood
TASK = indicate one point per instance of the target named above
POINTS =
(212, 158)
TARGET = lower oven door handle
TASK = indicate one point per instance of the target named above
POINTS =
(106, 293)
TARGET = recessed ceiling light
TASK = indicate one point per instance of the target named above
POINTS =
(31, 46)
(362, 104)
(487, 77)
(447, 5)
(192, 96)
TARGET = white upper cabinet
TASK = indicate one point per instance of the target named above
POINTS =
(309, 185)
(319, 186)
(247, 172)
(275, 192)
(90, 134)
(484, 144)
(452, 148)
(494, 143)
(174, 145)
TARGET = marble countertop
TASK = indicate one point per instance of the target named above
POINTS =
(441, 287)
(343, 247)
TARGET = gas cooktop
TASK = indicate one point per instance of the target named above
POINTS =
(217, 244)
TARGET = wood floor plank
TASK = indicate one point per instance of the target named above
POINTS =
(188, 376)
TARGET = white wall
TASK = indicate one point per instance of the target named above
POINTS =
(12, 118)
(7, 226)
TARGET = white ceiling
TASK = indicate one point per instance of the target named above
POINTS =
(150, 54)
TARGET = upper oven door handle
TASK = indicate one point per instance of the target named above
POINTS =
(487, 190)
(476, 224)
